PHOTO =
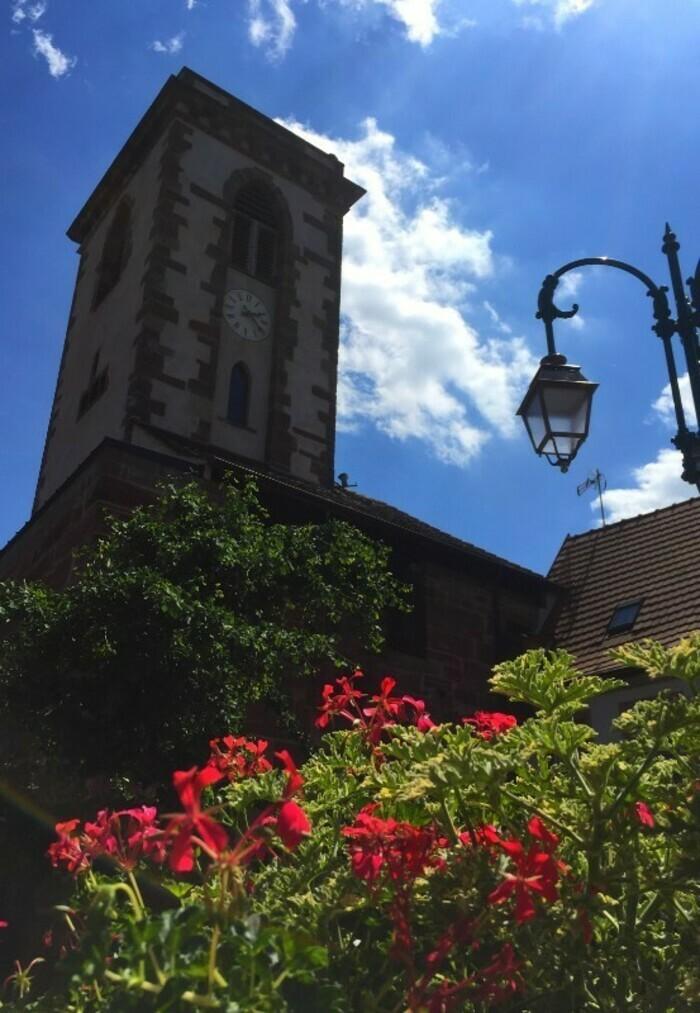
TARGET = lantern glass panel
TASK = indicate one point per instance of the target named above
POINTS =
(567, 408)
(535, 420)
(561, 446)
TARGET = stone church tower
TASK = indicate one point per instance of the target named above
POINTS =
(206, 307)
(203, 340)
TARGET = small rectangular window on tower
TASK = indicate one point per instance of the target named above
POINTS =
(95, 389)
(624, 617)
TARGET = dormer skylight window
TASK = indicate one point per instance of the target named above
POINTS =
(624, 617)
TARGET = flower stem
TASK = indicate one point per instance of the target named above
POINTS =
(547, 817)
(213, 947)
(137, 892)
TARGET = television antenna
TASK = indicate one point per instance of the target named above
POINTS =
(599, 481)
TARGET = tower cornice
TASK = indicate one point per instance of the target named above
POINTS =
(189, 97)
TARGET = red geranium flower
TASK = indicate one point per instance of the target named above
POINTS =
(194, 826)
(238, 757)
(292, 822)
(401, 849)
(536, 870)
(644, 814)
(386, 706)
(288, 819)
(126, 836)
(489, 724)
(341, 699)
(294, 779)
(68, 850)
(386, 710)
(484, 836)
(421, 719)
(536, 873)
(538, 830)
(401, 852)
(501, 979)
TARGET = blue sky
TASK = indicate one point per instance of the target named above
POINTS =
(497, 140)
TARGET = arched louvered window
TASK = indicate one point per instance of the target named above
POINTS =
(255, 243)
(115, 252)
(239, 395)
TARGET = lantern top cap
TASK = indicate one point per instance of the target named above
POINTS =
(554, 369)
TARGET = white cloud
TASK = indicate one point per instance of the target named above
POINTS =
(502, 326)
(560, 11)
(663, 406)
(271, 24)
(656, 484)
(58, 63)
(23, 10)
(566, 292)
(419, 17)
(566, 9)
(410, 363)
(569, 285)
(190, 4)
(173, 45)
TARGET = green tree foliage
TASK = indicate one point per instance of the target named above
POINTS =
(184, 615)
(404, 867)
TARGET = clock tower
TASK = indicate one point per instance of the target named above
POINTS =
(203, 341)
(205, 316)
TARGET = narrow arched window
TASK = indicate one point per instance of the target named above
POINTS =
(239, 395)
(255, 243)
(115, 252)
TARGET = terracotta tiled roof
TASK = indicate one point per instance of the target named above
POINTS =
(649, 558)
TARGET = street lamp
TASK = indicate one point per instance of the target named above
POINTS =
(556, 409)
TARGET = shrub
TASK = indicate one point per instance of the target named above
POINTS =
(181, 618)
(405, 866)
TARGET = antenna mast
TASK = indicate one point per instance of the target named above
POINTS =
(599, 481)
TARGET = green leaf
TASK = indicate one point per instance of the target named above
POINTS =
(548, 682)
(679, 662)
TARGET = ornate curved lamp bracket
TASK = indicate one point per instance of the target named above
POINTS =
(548, 312)
(665, 326)
(694, 286)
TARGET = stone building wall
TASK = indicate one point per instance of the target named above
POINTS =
(471, 610)
(156, 350)
(106, 330)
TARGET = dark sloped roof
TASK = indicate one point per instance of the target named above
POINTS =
(351, 505)
(354, 506)
(649, 558)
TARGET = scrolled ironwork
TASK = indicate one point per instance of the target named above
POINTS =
(685, 324)
(694, 286)
(546, 310)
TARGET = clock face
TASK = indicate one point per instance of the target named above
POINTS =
(247, 315)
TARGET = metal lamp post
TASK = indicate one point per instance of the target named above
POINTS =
(556, 409)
